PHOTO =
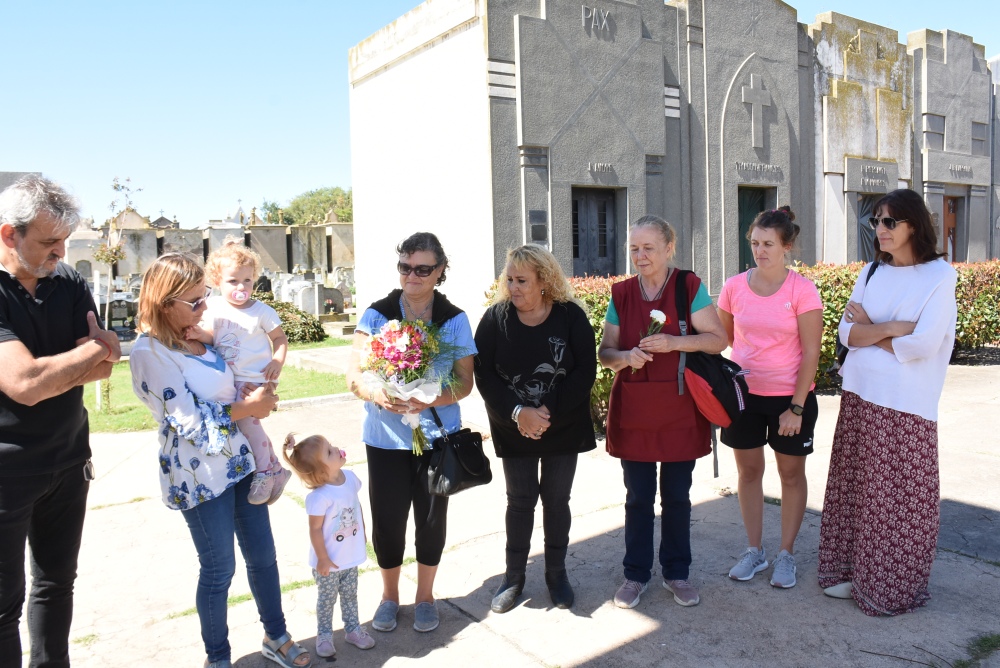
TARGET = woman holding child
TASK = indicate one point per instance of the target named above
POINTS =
(397, 476)
(206, 465)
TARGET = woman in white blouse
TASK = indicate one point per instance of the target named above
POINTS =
(205, 462)
(880, 516)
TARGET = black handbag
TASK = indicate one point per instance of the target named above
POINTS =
(842, 350)
(457, 462)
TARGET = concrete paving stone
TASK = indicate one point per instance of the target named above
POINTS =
(138, 568)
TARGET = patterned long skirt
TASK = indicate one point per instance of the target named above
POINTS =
(881, 511)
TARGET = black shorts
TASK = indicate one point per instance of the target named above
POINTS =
(759, 425)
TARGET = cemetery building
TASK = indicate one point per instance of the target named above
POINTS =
(499, 122)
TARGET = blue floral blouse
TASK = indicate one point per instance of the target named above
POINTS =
(202, 451)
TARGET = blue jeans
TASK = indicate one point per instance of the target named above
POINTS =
(45, 511)
(675, 517)
(212, 525)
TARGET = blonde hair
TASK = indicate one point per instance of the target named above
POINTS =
(170, 275)
(532, 256)
(303, 457)
(233, 252)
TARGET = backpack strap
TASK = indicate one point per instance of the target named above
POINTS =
(683, 308)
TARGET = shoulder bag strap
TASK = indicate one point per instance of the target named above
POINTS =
(437, 419)
(683, 309)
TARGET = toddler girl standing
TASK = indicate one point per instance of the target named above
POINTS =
(336, 534)
(247, 334)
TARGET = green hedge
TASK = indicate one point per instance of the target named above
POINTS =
(977, 292)
(299, 326)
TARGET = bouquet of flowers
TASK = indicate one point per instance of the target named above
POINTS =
(657, 319)
(398, 361)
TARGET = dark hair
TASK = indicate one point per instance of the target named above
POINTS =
(909, 206)
(780, 220)
(425, 241)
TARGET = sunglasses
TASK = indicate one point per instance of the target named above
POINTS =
(421, 270)
(197, 303)
(887, 222)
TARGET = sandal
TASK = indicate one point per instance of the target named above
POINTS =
(271, 649)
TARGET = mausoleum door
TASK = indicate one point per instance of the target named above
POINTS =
(950, 223)
(751, 202)
(594, 241)
(866, 235)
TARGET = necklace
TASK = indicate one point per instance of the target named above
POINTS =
(413, 311)
(658, 294)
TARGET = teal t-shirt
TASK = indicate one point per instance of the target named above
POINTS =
(701, 300)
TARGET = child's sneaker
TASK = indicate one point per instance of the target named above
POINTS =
(279, 480)
(359, 638)
(324, 646)
(260, 488)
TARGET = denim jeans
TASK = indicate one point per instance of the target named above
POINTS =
(675, 517)
(212, 525)
(47, 512)
(524, 486)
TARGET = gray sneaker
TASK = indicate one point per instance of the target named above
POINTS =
(684, 592)
(385, 616)
(425, 617)
(629, 593)
(784, 570)
(752, 562)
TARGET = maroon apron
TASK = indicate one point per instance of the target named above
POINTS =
(648, 421)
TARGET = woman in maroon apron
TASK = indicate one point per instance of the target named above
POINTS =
(649, 423)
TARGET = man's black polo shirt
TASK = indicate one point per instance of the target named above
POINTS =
(53, 434)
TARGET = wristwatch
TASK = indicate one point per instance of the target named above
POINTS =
(796, 409)
(517, 411)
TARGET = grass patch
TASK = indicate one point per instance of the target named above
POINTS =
(328, 342)
(129, 414)
(979, 649)
(296, 498)
(970, 556)
(773, 501)
(121, 503)
(85, 641)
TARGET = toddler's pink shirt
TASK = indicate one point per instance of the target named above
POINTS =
(766, 331)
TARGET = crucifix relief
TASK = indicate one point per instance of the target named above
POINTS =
(757, 98)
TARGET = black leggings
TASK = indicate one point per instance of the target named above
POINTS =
(397, 479)
(524, 487)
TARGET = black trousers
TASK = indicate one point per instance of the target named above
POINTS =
(397, 480)
(47, 512)
(524, 487)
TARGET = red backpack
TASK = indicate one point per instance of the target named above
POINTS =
(716, 384)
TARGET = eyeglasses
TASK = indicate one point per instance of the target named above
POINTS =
(421, 270)
(197, 303)
(887, 222)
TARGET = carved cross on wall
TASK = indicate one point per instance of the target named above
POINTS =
(757, 98)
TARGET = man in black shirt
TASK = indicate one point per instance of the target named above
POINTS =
(50, 346)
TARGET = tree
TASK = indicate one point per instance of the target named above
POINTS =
(311, 207)
(109, 254)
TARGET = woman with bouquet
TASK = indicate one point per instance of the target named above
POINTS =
(397, 475)
(649, 422)
(535, 369)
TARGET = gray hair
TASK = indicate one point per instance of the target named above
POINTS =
(22, 202)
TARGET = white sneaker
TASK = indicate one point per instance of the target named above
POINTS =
(752, 562)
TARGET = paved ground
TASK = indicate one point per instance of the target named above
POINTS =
(138, 568)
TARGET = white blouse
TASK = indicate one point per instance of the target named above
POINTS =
(202, 451)
(911, 379)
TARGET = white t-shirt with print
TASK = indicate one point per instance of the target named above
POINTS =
(241, 336)
(343, 523)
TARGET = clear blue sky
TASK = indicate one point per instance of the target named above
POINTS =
(204, 103)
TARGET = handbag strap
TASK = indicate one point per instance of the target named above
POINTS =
(437, 420)
(683, 309)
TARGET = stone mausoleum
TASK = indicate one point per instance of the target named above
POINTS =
(499, 122)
